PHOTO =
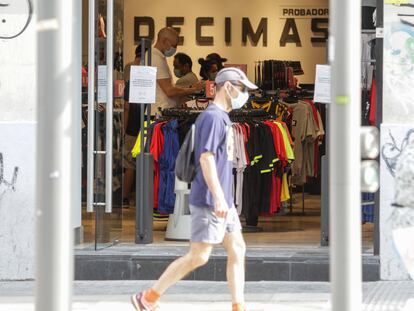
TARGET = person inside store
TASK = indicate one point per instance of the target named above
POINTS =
(217, 59)
(208, 69)
(210, 66)
(167, 94)
(183, 70)
(131, 129)
(183, 66)
(214, 218)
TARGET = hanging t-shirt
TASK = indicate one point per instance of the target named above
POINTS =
(286, 142)
(304, 132)
(156, 149)
(373, 100)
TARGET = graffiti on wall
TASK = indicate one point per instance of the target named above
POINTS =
(399, 57)
(399, 160)
(7, 185)
(15, 17)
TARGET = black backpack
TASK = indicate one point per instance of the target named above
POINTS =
(185, 166)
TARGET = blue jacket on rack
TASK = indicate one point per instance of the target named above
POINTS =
(166, 195)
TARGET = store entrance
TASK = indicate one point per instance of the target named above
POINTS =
(298, 221)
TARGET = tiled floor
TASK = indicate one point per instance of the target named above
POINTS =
(288, 230)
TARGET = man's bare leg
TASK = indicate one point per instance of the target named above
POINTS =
(236, 249)
(197, 256)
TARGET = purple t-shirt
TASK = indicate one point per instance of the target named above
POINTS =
(212, 135)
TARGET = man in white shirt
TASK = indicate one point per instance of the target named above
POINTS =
(167, 94)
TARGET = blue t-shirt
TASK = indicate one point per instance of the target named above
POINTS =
(212, 130)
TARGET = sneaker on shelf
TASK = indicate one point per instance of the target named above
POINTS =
(138, 302)
(160, 217)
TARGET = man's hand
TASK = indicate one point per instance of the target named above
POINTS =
(221, 207)
(209, 169)
(199, 86)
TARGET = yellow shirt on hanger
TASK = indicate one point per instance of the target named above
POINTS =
(137, 147)
(289, 151)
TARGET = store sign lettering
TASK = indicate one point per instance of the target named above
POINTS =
(253, 34)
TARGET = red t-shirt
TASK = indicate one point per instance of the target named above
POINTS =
(373, 110)
(156, 149)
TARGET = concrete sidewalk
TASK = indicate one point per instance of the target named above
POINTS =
(213, 296)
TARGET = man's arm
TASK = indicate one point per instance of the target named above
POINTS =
(208, 167)
(171, 91)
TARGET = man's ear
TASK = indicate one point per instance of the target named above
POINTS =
(228, 86)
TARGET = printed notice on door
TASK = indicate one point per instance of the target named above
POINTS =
(323, 84)
(143, 84)
(102, 84)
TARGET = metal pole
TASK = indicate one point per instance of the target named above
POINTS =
(379, 56)
(140, 162)
(345, 155)
(109, 105)
(91, 110)
(77, 112)
(144, 197)
(55, 162)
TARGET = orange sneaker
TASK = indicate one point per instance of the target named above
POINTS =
(140, 305)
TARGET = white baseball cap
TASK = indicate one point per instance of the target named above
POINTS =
(234, 74)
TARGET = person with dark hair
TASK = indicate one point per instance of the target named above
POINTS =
(208, 69)
(183, 71)
(183, 66)
(211, 65)
(217, 59)
(135, 62)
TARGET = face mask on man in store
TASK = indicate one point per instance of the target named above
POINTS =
(171, 50)
(178, 73)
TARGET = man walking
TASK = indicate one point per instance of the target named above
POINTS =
(214, 217)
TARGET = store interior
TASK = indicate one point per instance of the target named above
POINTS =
(279, 47)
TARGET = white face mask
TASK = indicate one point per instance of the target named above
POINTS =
(212, 76)
(240, 100)
(178, 73)
(170, 52)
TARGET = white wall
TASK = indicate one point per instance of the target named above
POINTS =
(17, 141)
(17, 200)
(398, 119)
(236, 53)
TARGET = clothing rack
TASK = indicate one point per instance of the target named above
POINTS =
(179, 112)
(291, 200)
(277, 74)
(237, 116)
(252, 113)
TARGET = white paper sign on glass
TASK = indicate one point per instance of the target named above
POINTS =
(143, 84)
(322, 84)
(102, 84)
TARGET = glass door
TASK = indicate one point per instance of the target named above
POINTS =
(105, 119)
(109, 220)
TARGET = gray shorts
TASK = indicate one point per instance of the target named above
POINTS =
(206, 227)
